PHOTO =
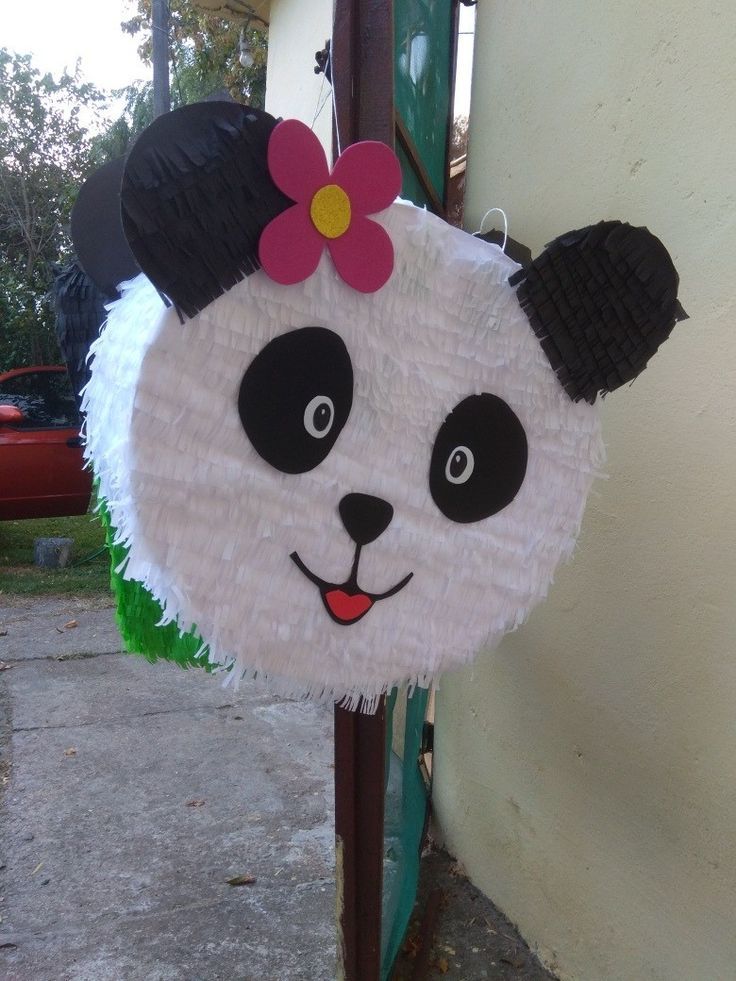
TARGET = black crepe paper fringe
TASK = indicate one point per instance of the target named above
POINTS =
(601, 300)
(80, 310)
(196, 196)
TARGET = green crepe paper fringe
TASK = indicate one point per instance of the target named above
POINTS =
(138, 614)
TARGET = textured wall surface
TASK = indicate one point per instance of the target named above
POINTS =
(298, 28)
(586, 770)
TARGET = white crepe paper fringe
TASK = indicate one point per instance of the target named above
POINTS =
(209, 525)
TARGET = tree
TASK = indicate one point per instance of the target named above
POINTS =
(205, 53)
(137, 114)
(44, 157)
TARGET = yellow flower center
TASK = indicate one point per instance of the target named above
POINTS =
(330, 211)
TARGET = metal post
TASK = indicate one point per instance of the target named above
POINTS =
(160, 56)
(362, 76)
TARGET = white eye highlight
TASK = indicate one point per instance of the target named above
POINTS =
(460, 465)
(319, 416)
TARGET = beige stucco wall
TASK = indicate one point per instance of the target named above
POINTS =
(296, 31)
(586, 770)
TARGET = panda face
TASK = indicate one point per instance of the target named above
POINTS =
(342, 490)
(348, 491)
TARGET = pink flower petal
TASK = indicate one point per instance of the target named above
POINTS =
(290, 246)
(364, 255)
(370, 174)
(296, 160)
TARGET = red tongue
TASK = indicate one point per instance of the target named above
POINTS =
(346, 607)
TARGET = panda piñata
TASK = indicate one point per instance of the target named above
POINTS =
(343, 444)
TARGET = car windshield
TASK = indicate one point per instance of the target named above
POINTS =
(44, 397)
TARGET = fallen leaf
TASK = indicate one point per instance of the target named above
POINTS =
(37, 868)
(443, 965)
(241, 880)
(70, 624)
(197, 802)
(516, 962)
(70, 752)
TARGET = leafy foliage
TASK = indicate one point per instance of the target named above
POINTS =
(204, 53)
(47, 149)
(44, 156)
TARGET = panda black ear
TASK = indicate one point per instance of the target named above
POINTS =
(195, 196)
(97, 231)
(601, 300)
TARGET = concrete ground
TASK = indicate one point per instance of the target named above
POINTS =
(130, 793)
(133, 792)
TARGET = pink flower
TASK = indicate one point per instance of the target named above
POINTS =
(330, 209)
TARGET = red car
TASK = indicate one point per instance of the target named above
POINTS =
(42, 472)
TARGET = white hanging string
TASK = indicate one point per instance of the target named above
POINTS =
(320, 103)
(505, 225)
(331, 63)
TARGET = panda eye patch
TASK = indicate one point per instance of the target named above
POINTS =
(479, 459)
(295, 398)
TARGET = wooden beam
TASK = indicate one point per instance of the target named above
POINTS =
(363, 70)
(362, 53)
(359, 802)
(409, 147)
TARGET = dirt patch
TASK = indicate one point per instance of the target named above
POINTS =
(32, 604)
(473, 940)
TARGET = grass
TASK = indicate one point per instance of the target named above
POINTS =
(20, 577)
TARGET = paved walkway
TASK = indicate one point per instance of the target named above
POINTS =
(130, 793)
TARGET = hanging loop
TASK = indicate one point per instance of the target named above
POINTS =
(505, 225)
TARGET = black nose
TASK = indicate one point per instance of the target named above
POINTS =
(365, 517)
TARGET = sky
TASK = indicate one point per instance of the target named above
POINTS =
(464, 61)
(57, 32)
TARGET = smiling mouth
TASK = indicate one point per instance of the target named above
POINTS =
(346, 602)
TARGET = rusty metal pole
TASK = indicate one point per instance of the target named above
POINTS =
(362, 53)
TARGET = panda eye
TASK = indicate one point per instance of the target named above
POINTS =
(319, 416)
(295, 398)
(479, 459)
